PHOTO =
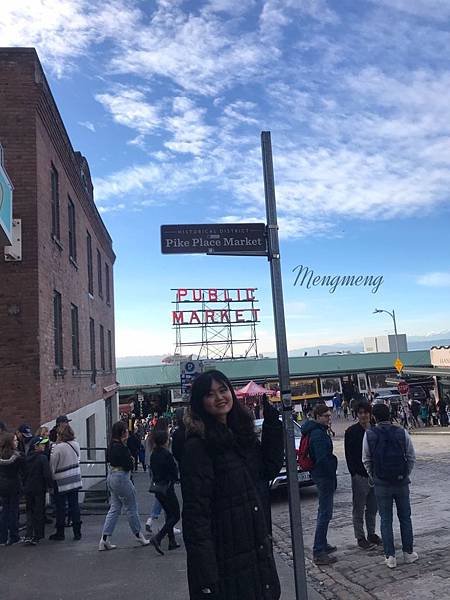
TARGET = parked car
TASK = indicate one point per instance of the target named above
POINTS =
(304, 477)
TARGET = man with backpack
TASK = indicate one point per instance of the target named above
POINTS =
(389, 457)
(316, 455)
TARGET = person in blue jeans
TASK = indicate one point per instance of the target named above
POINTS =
(121, 488)
(323, 474)
(389, 458)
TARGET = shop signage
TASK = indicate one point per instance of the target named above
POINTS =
(189, 370)
(6, 197)
(245, 238)
(440, 356)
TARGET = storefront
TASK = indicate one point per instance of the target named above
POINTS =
(436, 378)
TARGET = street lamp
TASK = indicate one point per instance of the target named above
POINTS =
(392, 315)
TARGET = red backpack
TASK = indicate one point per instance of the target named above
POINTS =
(304, 460)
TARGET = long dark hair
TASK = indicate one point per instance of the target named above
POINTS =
(117, 431)
(239, 420)
(7, 445)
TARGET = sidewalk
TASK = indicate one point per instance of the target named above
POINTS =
(77, 571)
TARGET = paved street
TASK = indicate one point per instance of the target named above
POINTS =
(360, 575)
(77, 571)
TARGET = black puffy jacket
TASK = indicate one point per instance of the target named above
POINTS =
(38, 477)
(11, 472)
(226, 512)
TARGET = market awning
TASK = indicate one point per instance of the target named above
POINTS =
(253, 389)
(429, 372)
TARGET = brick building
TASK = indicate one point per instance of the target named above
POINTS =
(57, 301)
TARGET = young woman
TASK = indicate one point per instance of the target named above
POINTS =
(225, 475)
(121, 488)
(165, 474)
(11, 469)
(65, 468)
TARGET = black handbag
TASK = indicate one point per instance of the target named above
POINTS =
(159, 488)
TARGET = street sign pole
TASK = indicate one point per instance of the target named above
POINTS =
(283, 369)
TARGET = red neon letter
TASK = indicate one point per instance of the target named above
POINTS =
(239, 316)
(177, 317)
(225, 316)
(209, 316)
(197, 295)
(194, 317)
(255, 312)
(250, 294)
(212, 295)
(181, 293)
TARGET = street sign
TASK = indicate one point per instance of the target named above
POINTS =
(398, 365)
(242, 238)
(189, 370)
(6, 197)
(403, 388)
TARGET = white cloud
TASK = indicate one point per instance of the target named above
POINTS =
(129, 107)
(87, 125)
(190, 134)
(436, 279)
(434, 9)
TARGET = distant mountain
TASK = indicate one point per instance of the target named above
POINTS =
(139, 361)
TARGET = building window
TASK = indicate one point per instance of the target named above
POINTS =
(90, 438)
(92, 348)
(89, 264)
(75, 338)
(102, 347)
(57, 323)
(110, 360)
(107, 284)
(55, 203)
(99, 274)
(72, 231)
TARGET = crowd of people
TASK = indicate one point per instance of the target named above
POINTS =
(34, 468)
(380, 458)
(225, 470)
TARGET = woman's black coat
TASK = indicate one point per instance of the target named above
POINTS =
(226, 512)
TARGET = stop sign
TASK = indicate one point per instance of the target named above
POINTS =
(403, 387)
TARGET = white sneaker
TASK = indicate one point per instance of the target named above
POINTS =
(106, 545)
(149, 523)
(410, 558)
(390, 562)
(142, 540)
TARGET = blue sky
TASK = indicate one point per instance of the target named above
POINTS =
(167, 99)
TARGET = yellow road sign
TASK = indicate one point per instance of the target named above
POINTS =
(398, 365)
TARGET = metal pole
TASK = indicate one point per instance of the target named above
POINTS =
(283, 370)
(396, 334)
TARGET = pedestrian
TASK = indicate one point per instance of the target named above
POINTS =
(345, 408)
(337, 404)
(443, 415)
(225, 476)
(353, 405)
(38, 479)
(323, 473)
(12, 465)
(389, 458)
(134, 444)
(121, 488)
(179, 435)
(415, 410)
(424, 413)
(65, 468)
(165, 474)
(363, 492)
(24, 436)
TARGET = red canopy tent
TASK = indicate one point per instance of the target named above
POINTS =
(252, 389)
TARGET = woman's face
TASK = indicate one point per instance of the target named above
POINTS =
(219, 401)
(15, 443)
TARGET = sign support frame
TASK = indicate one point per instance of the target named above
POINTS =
(283, 369)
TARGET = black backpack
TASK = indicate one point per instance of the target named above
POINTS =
(388, 450)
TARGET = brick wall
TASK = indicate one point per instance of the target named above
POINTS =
(34, 392)
(19, 348)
